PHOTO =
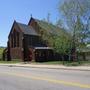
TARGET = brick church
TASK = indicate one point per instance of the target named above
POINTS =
(25, 41)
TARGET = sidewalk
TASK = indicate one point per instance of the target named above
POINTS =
(80, 68)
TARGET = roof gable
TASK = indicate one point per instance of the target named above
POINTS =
(13, 27)
(27, 29)
(49, 27)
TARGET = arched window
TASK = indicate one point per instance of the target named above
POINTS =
(17, 39)
(14, 35)
(11, 40)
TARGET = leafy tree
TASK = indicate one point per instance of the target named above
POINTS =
(76, 14)
(60, 42)
(59, 23)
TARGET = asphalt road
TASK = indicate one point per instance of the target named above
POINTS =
(20, 78)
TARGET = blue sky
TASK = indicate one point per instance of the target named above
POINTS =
(21, 10)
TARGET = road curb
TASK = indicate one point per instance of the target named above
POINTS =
(63, 68)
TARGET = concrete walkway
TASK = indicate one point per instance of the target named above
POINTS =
(81, 68)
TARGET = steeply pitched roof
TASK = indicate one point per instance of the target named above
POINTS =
(27, 29)
(49, 27)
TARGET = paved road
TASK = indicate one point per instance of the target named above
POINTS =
(19, 78)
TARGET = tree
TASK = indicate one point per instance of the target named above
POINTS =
(62, 44)
(59, 23)
(76, 14)
(59, 40)
(48, 17)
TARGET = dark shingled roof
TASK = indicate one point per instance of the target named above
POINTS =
(27, 29)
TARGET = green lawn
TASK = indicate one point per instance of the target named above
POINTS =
(10, 62)
(66, 63)
(50, 62)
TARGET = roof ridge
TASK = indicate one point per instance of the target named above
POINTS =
(24, 24)
(21, 23)
(26, 29)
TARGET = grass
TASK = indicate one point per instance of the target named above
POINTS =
(50, 62)
(10, 62)
(72, 64)
(66, 63)
(86, 63)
